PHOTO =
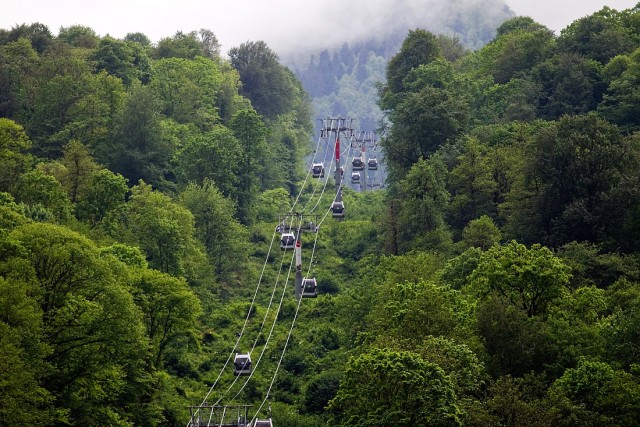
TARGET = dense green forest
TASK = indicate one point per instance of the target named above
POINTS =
(495, 281)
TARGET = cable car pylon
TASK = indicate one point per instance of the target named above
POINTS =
(291, 239)
(336, 126)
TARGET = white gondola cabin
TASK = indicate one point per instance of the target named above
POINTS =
(309, 287)
(261, 423)
(355, 177)
(317, 170)
(287, 241)
(372, 164)
(357, 164)
(242, 364)
(337, 210)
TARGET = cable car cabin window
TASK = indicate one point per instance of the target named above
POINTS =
(287, 241)
(317, 171)
(337, 209)
(372, 164)
(309, 288)
(242, 364)
(357, 164)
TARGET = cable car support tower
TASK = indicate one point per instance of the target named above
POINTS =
(333, 127)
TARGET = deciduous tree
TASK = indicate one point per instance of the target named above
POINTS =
(384, 387)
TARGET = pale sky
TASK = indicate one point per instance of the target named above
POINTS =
(282, 24)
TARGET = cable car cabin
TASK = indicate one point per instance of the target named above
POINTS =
(287, 241)
(261, 423)
(283, 227)
(242, 364)
(309, 226)
(337, 209)
(317, 170)
(357, 164)
(372, 164)
(355, 177)
(309, 288)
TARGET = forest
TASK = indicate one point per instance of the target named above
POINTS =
(342, 80)
(495, 280)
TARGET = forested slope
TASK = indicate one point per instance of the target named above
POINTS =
(495, 282)
(132, 176)
(343, 79)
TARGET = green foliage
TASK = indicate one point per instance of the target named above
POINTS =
(286, 415)
(621, 333)
(568, 84)
(170, 310)
(271, 203)
(525, 23)
(419, 47)
(529, 278)
(64, 81)
(515, 401)
(422, 199)
(320, 390)
(383, 387)
(268, 85)
(215, 225)
(14, 157)
(578, 322)
(503, 141)
(92, 118)
(164, 230)
(596, 393)
(89, 320)
(79, 36)
(23, 354)
(19, 62)
(129, 255)
(516, 51)
(451, 47)
(216, 156)
(104, 199)
(620, 101)
(38, 190)
(78, 170)
(188, 46)
(127, 61)
(578, 181)
(458, 361)
(600, 36)
(138, 37)
(11, 214)
(139, 151)
(472, 185)
(413, 311)
(36, 33)
(590, 265)
(481, 233)
(251, 132)
(189, 90)
(425, 121)
(457, 272)
(515, 343)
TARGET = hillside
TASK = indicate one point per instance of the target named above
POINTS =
(150, 196)
(342, 79)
